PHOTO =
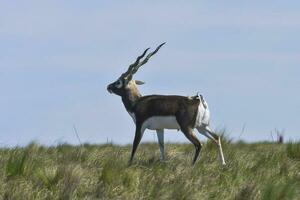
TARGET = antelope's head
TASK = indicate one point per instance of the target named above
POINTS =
(125, 84)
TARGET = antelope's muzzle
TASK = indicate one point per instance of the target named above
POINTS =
(109, 89)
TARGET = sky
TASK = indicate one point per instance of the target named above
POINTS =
(57, 57)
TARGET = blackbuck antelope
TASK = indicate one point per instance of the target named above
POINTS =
(159, 112)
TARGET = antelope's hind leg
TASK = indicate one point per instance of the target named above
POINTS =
(206, 131)
(160, 136)
(189, 133)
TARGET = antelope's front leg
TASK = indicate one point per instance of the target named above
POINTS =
(137, 139)
(160, 136)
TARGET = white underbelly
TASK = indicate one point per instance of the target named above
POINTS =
(161, 122)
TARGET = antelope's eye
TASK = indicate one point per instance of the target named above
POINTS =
(119, 84)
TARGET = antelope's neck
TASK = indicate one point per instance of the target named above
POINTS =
(130, 97)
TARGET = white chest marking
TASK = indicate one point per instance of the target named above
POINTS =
(160, 122)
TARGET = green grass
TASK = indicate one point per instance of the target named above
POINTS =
(254, 171)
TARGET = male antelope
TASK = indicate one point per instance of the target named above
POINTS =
(159, 112)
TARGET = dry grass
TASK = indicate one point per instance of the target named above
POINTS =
(254, 171)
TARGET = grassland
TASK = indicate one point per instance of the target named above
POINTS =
(253, 171)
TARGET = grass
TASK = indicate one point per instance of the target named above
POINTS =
(254, 171)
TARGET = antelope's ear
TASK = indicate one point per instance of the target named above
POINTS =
(139, 82)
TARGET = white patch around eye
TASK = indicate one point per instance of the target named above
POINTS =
(119, 84)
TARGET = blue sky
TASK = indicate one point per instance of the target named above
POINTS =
(57, 57)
